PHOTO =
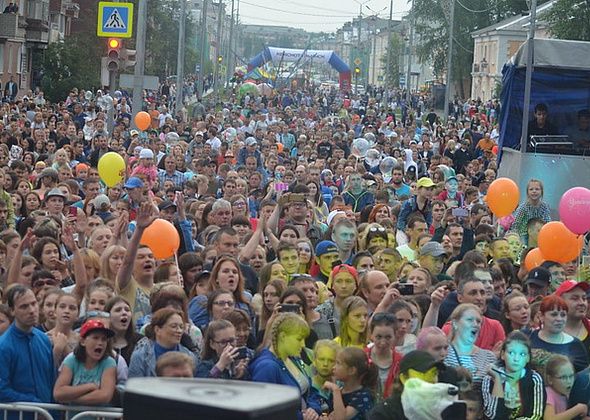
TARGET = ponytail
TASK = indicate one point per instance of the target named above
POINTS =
(367, 371)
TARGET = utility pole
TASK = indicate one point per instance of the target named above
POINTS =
(449, 62)
(217, 50)
(389, 42)
(528, 77)
(180, 59)
(411, 21)
(359, 47)
(230, 55)
(139, 58)
(202, 56)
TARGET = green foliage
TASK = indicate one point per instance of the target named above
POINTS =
(432, 30)
(72, 63)
(162, 39)
(392, 68)
(569, 19)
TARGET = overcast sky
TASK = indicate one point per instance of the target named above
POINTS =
(313, 15)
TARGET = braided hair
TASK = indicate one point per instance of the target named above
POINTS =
(286, 322)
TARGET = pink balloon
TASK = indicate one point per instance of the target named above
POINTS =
(574, 210)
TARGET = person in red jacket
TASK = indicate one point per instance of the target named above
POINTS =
(381, 351)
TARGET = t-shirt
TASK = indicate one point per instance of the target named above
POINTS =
(362, 401)
(558, 401)
(81, 375)
(138, 298)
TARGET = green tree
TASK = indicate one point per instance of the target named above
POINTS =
(569, 19)
(391, 61)
(432, 31)
(72, 63)
(162, 39)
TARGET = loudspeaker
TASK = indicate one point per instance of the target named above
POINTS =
(214, 399)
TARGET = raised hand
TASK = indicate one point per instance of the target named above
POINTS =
(145, 215)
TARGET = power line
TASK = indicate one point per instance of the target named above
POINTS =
(474, 11)
(461, 45)
(314, 7)
(294, 13)
(256, 18)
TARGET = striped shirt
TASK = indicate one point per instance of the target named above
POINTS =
(477, 363)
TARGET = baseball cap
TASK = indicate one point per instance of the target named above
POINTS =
(166, 205)
(102, 201)
(134, 133)
(205, 274)
(425, 182)
(251, 141)
(146, 154)
(333, 214)
(420, 361)
(452, 178)
(133, 182)
(325, 247)
(432, 248)
(94, 325)
(569, 285)
(539, 276)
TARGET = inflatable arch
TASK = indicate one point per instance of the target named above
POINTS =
(274, 54)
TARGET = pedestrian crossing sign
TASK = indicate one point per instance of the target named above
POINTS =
(115, 19)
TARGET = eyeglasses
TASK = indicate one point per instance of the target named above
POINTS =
(176, 326)
(299, 205)
(239, 204)
(231, 341)
(229, 303)
(377, 229)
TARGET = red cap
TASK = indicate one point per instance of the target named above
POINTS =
(94, 325)
(569, 285)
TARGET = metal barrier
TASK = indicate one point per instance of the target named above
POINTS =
(22, 408)
(41, 411)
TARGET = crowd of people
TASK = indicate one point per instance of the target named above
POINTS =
(337, 244)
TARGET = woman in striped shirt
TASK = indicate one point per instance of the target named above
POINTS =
(466, 322)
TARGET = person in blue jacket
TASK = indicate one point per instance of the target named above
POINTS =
(27, 373)
(279, 363)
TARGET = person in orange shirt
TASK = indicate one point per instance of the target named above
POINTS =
(155, 115)
(486, 143)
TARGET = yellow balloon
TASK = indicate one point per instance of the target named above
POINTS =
(111, 168)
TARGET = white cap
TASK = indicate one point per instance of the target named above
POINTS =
(101, 201)
(333, 214)
(146, 154)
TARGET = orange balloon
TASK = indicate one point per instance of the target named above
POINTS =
(558, 243)
(280, 147)
(142, 120)
(502, 197)
(534, 259)
(162, 238)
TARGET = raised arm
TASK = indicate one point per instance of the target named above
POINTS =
(145, 217)
(250, 246)
(80, 274)
(15, 265)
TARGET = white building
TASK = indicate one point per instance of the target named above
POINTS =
(493, 47)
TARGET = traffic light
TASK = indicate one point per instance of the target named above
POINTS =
(113, 54)
(128, 57)
(219, 58)
(357, 70)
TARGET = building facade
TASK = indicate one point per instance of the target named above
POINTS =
(25, 33)
(495, 45)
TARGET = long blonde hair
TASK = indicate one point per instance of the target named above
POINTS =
(350, 304)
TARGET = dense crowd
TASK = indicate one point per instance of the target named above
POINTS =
(341, 245)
